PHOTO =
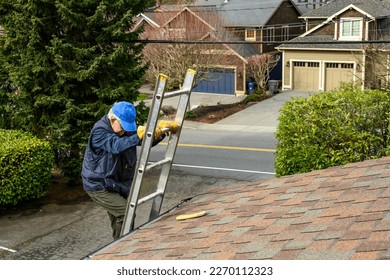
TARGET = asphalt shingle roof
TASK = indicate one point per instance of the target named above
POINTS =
(373, 7)
(337, 213)
(245, 13)
(320, 42)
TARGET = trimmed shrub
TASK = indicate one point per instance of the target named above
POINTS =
(25, 167)
(332, 128)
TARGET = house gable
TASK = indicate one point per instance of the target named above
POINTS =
(282, 25)
(189, 25)
(332, 22)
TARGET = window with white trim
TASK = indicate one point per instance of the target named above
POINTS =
(351, 28)
(250, 34)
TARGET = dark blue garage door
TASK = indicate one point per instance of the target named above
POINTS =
(221, 81)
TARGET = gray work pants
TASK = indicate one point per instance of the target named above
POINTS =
(115, 206)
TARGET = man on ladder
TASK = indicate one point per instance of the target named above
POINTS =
(110, 160)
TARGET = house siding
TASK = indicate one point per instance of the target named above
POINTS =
(311, 23)
(285, 15)
(327, 29)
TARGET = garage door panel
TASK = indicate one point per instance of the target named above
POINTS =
(336, 73)
(218, 81)
(306, 75)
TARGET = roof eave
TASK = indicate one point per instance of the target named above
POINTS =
(318, 49)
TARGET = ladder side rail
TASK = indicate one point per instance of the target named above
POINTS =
(173, 142)
(147, 141)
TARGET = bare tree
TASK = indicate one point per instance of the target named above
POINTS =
(377, 67)
(259, 68)
(180, 25)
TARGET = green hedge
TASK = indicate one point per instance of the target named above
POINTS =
(25, 167)
(332, 128)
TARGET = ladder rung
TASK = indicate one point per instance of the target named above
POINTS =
(165, 129)
(149, 197)
(175, 93)
(158, 163)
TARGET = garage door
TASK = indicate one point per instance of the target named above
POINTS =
(306, 75)
(218, 81)
(335, 73)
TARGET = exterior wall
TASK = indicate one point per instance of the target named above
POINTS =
(327, 29)
(311, 23)
(290, 56)
(285, 15)
(188, 26)
(373, 27)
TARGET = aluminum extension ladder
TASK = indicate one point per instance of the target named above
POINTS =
(166, 163)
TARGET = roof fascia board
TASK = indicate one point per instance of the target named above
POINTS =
(318, 49)
(148, 20)
(303, 17)
(190, 11)
(357, 9)
(333, 16)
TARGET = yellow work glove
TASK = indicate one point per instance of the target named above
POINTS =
(172, 125)
(141, 132)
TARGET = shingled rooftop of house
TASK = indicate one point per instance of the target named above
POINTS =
(340, 213)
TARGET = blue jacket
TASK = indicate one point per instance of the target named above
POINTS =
(109, 159)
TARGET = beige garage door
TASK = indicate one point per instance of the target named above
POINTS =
(335, 73)
(306, 75)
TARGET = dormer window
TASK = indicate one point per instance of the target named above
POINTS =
(351, 29)
(250, 35)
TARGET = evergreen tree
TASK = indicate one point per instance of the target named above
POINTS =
(63, 64)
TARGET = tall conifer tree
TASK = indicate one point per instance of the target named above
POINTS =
(63, 64)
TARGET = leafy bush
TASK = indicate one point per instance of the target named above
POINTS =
(332, 128)
(25, 167)
(256, 97)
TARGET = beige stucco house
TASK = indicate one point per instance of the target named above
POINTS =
(345, 41)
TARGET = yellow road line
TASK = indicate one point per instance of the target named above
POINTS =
(225, 147)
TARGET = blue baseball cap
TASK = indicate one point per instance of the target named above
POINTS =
(126, 113)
